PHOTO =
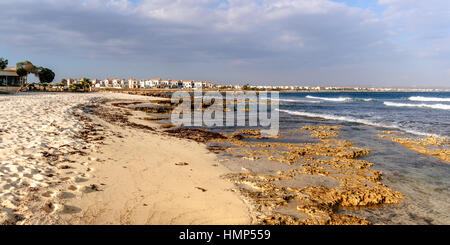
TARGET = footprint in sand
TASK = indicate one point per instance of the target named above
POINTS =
(80, 180)
(85, 175)
(50, 207)
(91, 188)
(70, 209)
(73, 188)
(66, 195)
(48, 194)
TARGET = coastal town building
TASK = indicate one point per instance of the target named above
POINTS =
(151, 83)
(95, 82)
(9, 77)
(69, 82)
(210, 85)
(133, 83)
(198, 84)
(175, 84)
(164, 84)
(154, 83)
(142, 84)
(116, 83)
(188, 84)
(105, 83)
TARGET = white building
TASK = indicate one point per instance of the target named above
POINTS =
(116, 83)
(176, 84)
(133, 83)
(188, 84)
(199, 84)
(147, 83)
(107, 83)
(95, 83)
(69, 82)
(164, 84)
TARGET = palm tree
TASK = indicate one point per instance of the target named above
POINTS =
(86, 83)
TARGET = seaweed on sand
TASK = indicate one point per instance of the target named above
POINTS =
(199, 135)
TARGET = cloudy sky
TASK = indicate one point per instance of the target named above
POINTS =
(397, 43)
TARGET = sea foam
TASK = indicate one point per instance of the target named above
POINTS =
(435, 99)
(432, 106)
(355, 120)
(340, 99)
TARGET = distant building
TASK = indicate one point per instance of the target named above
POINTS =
(150, 83)
(175, 84)
(106, 83)
(188, 84)
(119, 83)
(210, 85)
(133, 83)
(9, 77)
(155, 83)
(69, 82)
(142, 83)
(164, 83)
(199, 84)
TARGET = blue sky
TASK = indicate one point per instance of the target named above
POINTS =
(395, 43)
(364, 4)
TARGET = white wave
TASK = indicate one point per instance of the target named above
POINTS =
(433, 106)
(331, 117)
(340, 99)
(435, 99)
(355, 120)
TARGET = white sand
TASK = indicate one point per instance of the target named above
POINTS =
(139, 181)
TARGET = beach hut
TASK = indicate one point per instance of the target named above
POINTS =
(9, 80)
(9, 77)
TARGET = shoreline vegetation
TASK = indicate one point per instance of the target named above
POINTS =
(126, 164)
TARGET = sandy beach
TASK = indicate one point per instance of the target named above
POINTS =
(61, 165)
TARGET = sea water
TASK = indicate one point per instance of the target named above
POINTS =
(421, 113)
(424, 180)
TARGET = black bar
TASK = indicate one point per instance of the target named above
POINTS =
(226, 234)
